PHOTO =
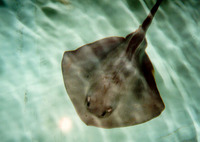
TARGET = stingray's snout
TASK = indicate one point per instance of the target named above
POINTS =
(98, 110)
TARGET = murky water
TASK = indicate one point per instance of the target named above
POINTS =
(34, 106)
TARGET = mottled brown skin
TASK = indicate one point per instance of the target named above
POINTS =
(110, 81)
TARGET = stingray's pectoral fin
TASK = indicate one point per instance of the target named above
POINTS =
(148, 73)
(147, 102)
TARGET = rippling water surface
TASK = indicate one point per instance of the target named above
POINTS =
(34, 106)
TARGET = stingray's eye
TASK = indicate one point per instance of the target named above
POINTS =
(88, 99)
(103, 114)
(107, 112)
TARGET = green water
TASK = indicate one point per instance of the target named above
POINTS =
(34, 106)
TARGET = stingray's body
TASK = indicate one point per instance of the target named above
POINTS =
(110, 81)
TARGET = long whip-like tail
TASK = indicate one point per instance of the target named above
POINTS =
(148, 20)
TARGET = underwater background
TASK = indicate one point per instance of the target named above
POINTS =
(34, 105)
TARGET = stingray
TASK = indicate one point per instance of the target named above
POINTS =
(110, 81)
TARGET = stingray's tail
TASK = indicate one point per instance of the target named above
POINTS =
(148, 20)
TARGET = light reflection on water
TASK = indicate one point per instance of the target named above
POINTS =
(34, 105)
(65, 124)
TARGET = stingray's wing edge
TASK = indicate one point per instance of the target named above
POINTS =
(148, 72)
